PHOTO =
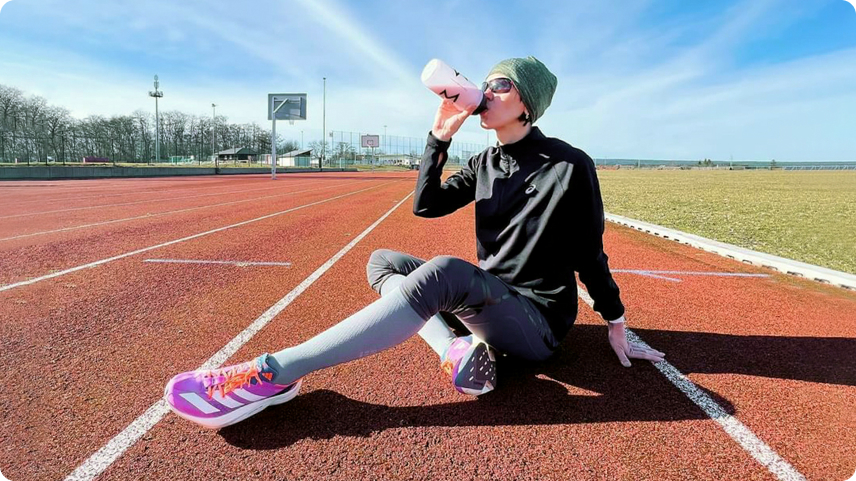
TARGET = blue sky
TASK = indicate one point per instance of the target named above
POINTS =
(667, 79)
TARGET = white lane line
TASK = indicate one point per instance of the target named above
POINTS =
(149, 201)
(738, 431)
(659, 274)
(110, 452)
(169, 212)
(696, 273)
(176, 241)
(231, 263)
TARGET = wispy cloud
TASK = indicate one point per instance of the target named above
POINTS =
(696, 103)
(350, 36)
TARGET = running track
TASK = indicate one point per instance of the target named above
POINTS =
(90, 332)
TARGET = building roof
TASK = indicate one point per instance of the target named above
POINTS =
(297, 153)
(238, 151)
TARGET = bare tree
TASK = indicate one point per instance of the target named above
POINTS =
(316, 146)
(57, 121)
(11, 100)
(342, 151)
(33, 130)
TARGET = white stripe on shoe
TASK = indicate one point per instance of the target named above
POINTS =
(244, 394)
(199, 403)
(227, 401)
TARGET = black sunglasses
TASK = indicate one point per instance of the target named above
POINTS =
(498, 85)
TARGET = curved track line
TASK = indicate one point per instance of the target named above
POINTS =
(147, 216)
(110, 452)
(74, 189)
(738, 431)
(194, 236)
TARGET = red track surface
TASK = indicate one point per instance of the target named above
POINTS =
(88, 352)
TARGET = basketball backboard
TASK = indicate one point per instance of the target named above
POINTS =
(287, 106)
(369, 140)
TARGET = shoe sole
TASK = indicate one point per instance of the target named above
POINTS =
(240, 413)
(477, 373)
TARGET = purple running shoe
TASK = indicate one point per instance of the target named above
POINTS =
(219, 397)
(472, 365)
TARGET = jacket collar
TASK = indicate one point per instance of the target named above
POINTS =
(533, 137)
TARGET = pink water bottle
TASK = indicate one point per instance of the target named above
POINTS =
(448, 83)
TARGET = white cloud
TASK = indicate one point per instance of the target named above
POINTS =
(626, 88)
(694, 104)
(334, 19)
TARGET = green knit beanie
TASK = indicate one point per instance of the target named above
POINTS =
(533, 80)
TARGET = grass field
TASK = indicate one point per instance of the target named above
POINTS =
(805, 216)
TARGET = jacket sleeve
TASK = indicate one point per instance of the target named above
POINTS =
(591, 261)
(436, 199)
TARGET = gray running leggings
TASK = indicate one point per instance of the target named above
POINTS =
(491, 309)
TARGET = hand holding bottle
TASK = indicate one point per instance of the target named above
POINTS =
(448, 120)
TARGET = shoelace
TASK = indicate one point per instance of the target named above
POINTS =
(447, 367)
(227, 380)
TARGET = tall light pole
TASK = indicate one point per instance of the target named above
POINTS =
(157, 94)
(213, 148)
(324, 128)
(301, 140)
(385, 140)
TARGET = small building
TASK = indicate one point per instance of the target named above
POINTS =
(295, 158)
(240, 154)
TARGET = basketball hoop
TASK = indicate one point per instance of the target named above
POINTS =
(289, 107)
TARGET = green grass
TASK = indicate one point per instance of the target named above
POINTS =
(805, 216)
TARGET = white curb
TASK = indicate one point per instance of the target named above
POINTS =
(787, 266)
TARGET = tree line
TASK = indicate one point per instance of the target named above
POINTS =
(31, 131)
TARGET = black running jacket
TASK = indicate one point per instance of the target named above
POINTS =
(539, 218)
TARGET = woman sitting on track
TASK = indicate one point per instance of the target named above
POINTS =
(539, 219)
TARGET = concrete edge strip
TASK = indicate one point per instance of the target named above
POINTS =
(176, 241)
(755, 258)
(59, 172)
(739, 432)
(98, 462)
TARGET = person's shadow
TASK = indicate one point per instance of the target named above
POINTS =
(582, 383)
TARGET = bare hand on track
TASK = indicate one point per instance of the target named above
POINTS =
(448, 120)
(626, 350)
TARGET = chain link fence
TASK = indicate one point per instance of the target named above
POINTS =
(344, 149)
